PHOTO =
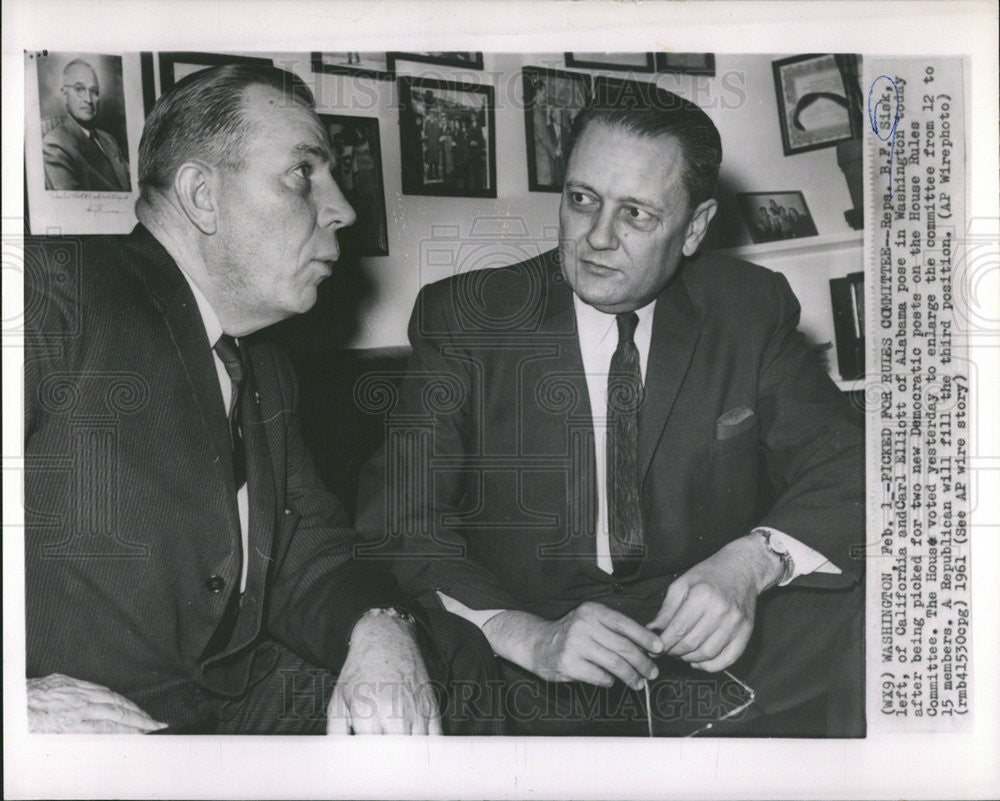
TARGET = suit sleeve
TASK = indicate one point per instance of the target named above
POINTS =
(814, 442)
(319, 591)
(410, 493)
(60, 170)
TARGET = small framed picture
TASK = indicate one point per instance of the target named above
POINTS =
(472, 61)
(686, 63)
(624, 93)
(174, 66)
(363, 65)
(773, 216)
(447, 138)
(355, 142)
(813, 105)
(622, 62)
(83, 119)
(552, 99)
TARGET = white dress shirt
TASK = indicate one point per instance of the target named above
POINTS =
(598, 334)
(214, 330)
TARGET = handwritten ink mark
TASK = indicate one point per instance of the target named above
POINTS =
(873, 115)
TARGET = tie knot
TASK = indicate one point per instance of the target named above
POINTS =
(627, 323)
(231, 357)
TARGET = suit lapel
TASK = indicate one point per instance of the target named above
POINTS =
(676, 327)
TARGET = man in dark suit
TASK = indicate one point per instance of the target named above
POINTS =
(184, 564)
(611, 456)
(76, 153)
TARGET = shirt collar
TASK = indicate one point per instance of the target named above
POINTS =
(595, 326)
(208, 316)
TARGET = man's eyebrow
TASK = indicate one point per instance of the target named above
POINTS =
(306, 150)
(571, 184)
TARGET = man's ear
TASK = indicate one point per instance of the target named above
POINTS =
(698, 225)
(194, 186)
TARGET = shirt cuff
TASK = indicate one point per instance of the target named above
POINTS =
(475, 616)
(804, 559)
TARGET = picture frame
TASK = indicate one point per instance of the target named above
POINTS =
(360, 65)
(621, 62)
(776, 216)
(470, 60)
(356, 144)
(82, 140)
(447, 138)
(552, 99)
(177, 65)
(686, 63)
(611, 92)
(813, 103)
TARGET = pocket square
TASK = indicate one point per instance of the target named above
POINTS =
(734, 422)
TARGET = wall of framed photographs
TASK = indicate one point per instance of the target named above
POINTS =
(452, 172)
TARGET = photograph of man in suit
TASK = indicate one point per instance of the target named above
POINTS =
(185, 566)
(76, 153)
(642, 474)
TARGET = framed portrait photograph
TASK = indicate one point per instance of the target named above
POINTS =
(686, 63)
(773, 216)
(611, 92)
(622, 62)
(552, 99)
(355, 142)
(447, 138)
(83, 120)
(473, 61)
(363, 65)
(174, 66)
(813, 104)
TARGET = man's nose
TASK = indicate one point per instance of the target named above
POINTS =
(334, 210)
(602, 233)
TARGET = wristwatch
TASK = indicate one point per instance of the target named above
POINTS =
(779, 549)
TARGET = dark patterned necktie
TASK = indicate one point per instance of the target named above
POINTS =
(232, 358)
(624, 397)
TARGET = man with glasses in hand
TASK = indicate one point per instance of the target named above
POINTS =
(78, 155)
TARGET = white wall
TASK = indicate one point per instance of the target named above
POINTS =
(484, 232)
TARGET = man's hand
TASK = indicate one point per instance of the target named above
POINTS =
(708, 613)
(59, 704)
(383, 687)
(592, 644)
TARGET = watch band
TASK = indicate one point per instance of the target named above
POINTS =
(787, 563)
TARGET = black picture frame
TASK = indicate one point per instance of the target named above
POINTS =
(610, 92)
(595, 61)
(812, 115)
(686, 63)
(356, 144)
(469, 60)
(169, 61)
(319, 63)
(779, 224)
(547, 124)
(431, 165)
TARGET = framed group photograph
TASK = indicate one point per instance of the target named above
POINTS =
(773, 216)
(686, 63)
(355, 142)
(175, 65)
(622, 62)
(84, 114)
(362, 65)
(611, 92)
(447, 138)
(552, 99)
(472, 61)
(813, 104)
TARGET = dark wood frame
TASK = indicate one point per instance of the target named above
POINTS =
(853, 126)
(640, 89)
(411, 156)
(663, 64)
(318, 65)
(444, 61)
(169, 59)
(573, 61)
(743, 199)
(529, 76)
(381, 246)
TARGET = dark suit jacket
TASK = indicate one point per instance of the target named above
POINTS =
(72, 161)
(132, 531)
(485, 487)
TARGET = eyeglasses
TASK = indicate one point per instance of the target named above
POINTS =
(82, 90)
